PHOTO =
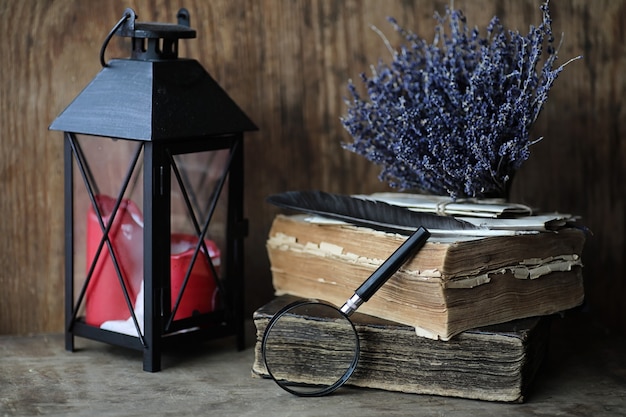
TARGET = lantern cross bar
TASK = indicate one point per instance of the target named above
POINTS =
(84, 169)
(201, 232)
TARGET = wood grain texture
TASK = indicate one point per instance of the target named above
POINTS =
(286, 63)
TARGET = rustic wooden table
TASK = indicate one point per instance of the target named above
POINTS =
(584, 374)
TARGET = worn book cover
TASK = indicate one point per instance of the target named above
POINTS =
(453, 284)
(494, 363)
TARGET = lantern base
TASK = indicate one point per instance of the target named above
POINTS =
(186, 336)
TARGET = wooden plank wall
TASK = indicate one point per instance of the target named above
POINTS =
(286, 62)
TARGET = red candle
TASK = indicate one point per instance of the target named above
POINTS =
(104, 297)
(200, 294)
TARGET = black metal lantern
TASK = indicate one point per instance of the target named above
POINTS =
(153, 199)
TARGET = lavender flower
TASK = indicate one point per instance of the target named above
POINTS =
(454, 117)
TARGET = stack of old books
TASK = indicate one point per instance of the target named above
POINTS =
(466, 317)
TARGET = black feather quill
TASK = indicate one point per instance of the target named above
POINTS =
(376, 215)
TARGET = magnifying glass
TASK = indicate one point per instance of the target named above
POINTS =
(312, 360)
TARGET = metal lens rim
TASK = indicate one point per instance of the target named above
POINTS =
(331, 388)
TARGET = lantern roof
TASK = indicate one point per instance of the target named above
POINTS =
(153, 95)
(153, 100)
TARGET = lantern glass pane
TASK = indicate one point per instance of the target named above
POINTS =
(107, 173)
(199, 209)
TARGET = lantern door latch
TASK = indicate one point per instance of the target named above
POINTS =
(161, 180)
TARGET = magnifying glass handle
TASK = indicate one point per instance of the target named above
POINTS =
(409, 248)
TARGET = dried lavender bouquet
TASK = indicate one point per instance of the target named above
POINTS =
(453, 117)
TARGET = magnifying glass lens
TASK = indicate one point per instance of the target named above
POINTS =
(310, 348)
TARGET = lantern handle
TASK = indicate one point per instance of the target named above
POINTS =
(128, 14)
